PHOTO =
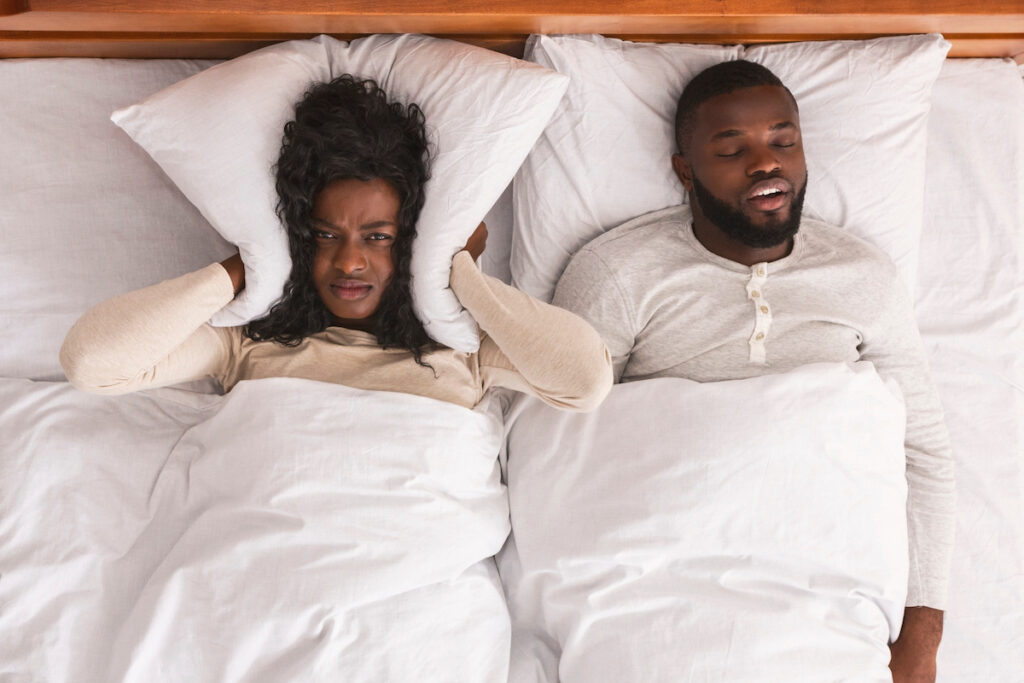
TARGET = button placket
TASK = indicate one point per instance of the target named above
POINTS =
(762, 313)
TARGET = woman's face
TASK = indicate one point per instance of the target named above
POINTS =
(355, 223)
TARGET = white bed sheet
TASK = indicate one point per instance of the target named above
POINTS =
(970, 308)
(693, 532)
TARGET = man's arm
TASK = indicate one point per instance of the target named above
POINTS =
(894, 346)
(914, 652)
(589, 289)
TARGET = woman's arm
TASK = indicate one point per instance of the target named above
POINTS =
(155, 336)
(531, 346)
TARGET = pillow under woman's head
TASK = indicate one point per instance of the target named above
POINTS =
(218, 136)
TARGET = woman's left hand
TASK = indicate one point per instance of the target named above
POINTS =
(477, 241)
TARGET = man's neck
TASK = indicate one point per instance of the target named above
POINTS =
(717, 242)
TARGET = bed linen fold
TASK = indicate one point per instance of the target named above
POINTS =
(748, 530)
(289, 530)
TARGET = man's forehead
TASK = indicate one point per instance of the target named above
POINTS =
(763, 107)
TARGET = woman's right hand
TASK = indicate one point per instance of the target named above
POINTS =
(236, 271)
(477, 242)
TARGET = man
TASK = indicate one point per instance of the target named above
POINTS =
(737, 285)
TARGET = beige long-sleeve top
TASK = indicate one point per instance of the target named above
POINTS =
(158, 336)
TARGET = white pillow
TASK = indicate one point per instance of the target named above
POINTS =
(864, 117)
(863, 110)
(605, 156)
(218, 136)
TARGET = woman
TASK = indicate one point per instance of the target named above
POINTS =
(350, 183)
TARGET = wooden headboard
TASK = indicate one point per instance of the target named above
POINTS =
(227, 28)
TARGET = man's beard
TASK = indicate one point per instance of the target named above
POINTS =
(735, 224)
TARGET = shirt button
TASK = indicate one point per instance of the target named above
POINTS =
(755, 294)
(760, 271)
(764, 309)
(760, 336)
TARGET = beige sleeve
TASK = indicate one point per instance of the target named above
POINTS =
(531, 346)
(152, 337)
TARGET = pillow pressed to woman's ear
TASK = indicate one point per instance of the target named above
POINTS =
(217, 135)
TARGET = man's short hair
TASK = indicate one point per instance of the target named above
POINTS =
(720, 79)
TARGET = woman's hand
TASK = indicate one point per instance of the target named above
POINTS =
(477, 242)
(236, 271)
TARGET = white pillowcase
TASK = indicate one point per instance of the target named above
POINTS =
(604, 158)
(864, 118)
(218, 136)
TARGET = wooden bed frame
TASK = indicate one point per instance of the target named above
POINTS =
(227, 28)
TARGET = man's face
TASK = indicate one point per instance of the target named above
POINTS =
(745, 169)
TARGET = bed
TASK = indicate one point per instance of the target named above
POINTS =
(133, 538)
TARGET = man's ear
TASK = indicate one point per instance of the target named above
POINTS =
(683, 171)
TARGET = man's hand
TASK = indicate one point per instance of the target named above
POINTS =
(915, 651)
(477, 242)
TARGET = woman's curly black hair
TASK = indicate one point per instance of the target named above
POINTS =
(346, 128)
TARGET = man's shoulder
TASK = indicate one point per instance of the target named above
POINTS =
(626, 261)
(648, 232)
(833, 243)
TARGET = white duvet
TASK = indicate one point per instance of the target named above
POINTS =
(749, 530)
(288, 531)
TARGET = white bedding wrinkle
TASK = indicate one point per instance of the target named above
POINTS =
(749, 530)
(290, 530)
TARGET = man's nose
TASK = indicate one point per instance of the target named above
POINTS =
(763, 159)
(350, 258)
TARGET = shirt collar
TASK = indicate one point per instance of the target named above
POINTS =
(775, 266)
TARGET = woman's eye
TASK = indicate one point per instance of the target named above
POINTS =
(779, 144)
(322, 235)
(379, 236)
(726, 155)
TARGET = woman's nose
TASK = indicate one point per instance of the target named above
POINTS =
(349, 258)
